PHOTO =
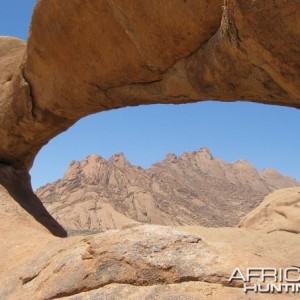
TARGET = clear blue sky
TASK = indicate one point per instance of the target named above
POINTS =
(266, 136)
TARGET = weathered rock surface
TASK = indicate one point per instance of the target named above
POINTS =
(89, 56)
(279, 211)
(142, 262)
(96, 194)
(19, 205)
(92, 56)
(184, 291)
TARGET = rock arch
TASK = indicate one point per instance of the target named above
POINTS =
(90, 56)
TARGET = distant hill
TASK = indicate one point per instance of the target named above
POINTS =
(192, 189)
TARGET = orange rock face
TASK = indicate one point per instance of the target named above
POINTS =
(97, 55)
(94, 55)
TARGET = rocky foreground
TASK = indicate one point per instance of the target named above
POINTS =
(84, 57)
(192, 189)
(146, 261)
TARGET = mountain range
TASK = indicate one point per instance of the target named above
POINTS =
(192, 189)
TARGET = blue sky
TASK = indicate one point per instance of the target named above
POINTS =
(266, 136)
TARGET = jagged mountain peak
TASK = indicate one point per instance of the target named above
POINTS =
(120, 160)
(205, 153)
(91, 159)
(94, 158)
(194, 188)
(244, 164)
(171, 157)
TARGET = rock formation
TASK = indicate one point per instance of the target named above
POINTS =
(279, 211)
(131, 53)
(16, 183)
(94, 55)
(141, 262)
(96, 194)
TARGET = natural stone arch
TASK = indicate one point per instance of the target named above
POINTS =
(91, 56)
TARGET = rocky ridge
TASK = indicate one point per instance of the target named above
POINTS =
(192, 189)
